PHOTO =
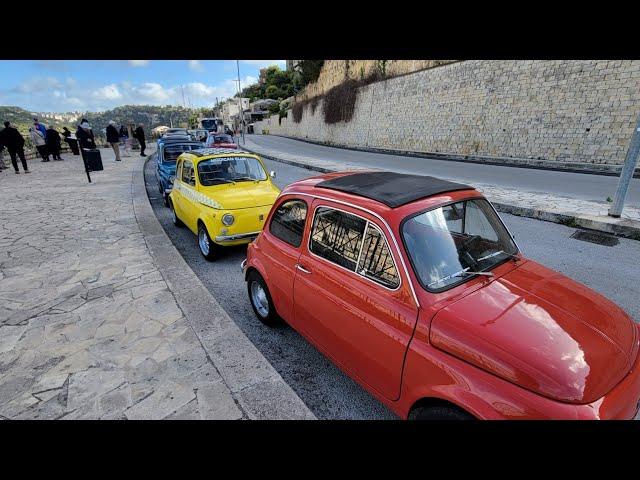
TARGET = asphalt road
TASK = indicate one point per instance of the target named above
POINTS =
(575, 185)
(328, 392)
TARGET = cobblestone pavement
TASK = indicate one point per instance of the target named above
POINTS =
(88, 326)
(536, 204)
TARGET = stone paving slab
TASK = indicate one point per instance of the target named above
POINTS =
(539, 205)
(89, 325)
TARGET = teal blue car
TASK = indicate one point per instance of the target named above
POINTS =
(168, 152)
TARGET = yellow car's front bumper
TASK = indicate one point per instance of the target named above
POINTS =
(248, 223)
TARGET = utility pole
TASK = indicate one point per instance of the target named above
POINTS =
(627, 173)
(240, 101)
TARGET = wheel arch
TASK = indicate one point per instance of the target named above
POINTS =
(425, 402)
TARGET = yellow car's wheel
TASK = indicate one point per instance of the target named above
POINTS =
(208, 249)
(176, 221)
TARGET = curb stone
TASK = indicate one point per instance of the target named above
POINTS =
(249, 376)
(620, 227)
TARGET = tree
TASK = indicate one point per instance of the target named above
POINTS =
(309, 70)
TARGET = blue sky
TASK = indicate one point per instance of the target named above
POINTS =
(63, 86)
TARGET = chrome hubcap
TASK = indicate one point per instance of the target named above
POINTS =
(259, 299)
(203, 240)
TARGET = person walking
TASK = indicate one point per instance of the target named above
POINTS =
(139, 135)
(54, 142)
(38, 139)
(11, 138)
(71, 140)
(113, 138)
(124, 137)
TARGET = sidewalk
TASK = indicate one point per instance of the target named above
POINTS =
(91, 324)
(543, 206)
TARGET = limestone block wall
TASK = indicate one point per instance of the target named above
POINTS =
(558, 110)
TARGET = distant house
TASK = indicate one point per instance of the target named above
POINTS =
(260, 109)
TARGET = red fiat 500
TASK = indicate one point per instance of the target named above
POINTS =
(414, 287)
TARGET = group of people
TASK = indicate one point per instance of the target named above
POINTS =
(116, 136)
(48, 141)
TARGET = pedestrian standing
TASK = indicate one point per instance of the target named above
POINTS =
(124, 137)
(85, 136)
(40, 127)
(71, 140)
(113, 138)
(53, 143)
(139, 134)
(11, 138)
(38, 139)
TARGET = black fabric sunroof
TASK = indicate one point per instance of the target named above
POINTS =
(392, 189)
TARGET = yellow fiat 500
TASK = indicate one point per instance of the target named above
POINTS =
(223, 196)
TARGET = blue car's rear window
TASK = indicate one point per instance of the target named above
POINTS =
(172, 152)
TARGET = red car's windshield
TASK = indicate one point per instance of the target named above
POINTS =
(447, 244)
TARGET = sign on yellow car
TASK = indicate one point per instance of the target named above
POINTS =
(223, 196)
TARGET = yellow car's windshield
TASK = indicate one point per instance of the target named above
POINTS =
(230, 170)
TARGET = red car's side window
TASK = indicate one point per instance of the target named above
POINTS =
(287, 222)
(353, 243)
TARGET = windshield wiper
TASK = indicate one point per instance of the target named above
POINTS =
(495, 254)
(244, 179)
(460, 273)
(223, 180)
(469, 272)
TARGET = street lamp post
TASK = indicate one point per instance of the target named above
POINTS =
(241, 113)
(627, 173)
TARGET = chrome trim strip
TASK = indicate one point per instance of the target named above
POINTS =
(243, 265)
(239, 236)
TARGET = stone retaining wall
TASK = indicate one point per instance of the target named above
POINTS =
(553, 110)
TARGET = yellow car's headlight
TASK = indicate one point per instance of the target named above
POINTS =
(228, 219)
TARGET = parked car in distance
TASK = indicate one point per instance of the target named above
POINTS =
(223, 196)
(199, 135)
(414, 287)
(220, 140)
(176, 131)
(174, 138)
(166, 156)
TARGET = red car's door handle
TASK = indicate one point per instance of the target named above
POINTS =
(302, 269)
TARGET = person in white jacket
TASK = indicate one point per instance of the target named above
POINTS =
(38, 140)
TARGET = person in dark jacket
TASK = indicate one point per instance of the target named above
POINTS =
(54, 143)
(85, 137)
(139, 134)
(73, 143)
(11, 138)
(113, 138)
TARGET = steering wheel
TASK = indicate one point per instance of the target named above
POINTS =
(471, 240)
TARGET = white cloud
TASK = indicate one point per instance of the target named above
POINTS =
(54, 95)
(150, 91)
(138, 63)
(38, 84)
(195, 65)
(108, 92)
